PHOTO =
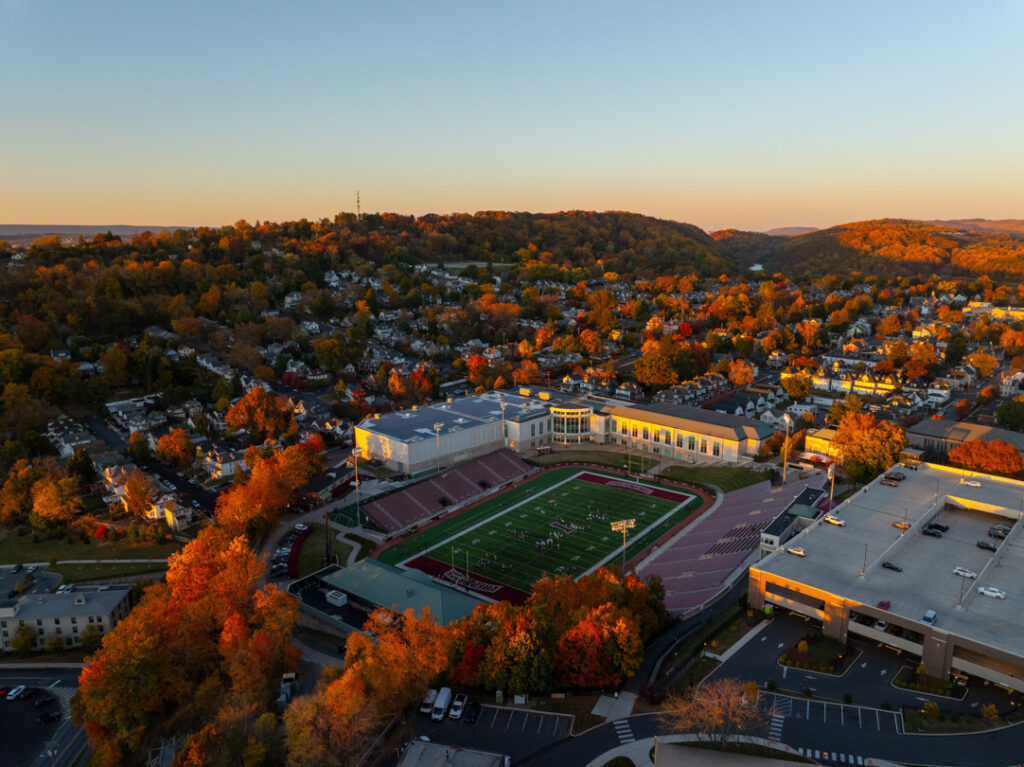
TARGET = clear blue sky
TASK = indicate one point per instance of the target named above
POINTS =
(724, 114)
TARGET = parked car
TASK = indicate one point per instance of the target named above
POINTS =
(30, 569)
(16, 568)
(992, 591)
(458, 706)
(883, 604)
(937, 526)
(901, 525)
(890, 483)
(45, 701)
(972, 483)
(891, 566)
(4, 690)
(48, 717)
(963, 572)
(834, 520)
(987, 545)
(895, 476)
(16, 692)
(931, 533)
(472, 713)
(797, 551)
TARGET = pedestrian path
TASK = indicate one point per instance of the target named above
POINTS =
(775, 726)
(624, 731)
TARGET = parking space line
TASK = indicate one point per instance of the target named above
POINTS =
(495, 717)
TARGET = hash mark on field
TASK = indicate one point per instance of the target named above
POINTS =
(476, 540)
(492, 532)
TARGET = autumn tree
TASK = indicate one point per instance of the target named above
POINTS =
(984, 363)
(261, 414)
(139, 493)
(992, 457)
(388, 667)
(138, 446)
(16, 493)
(867, 447)
(176, 449)
(251, 508)
(205, 648)
(55, 502)
(718, 712)
(741, 373)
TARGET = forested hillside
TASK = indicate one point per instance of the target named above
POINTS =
(884, 246)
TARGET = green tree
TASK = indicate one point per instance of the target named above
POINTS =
(24, 640)
(1011, 413)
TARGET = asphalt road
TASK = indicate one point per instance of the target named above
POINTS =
(24, 742)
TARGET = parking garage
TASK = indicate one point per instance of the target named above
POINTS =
(906, 568)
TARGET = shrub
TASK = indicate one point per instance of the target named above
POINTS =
(808, 692)
(802, 646)
(771, 685)
(990, 712)
(930, 710)
(101, 532)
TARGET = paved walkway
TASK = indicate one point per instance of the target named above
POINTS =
(614, 707)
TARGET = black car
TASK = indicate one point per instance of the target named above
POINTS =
(48, 717)
(895, 476)
(998, 532)
(987, 545)
(472, 712)
(931, 532)
(891, 566)
(937, 526)
(44, 701)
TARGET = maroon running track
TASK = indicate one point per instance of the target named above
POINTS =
(625, 484)
(456, 578)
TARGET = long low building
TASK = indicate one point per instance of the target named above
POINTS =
(431, 437)
(886, 576)
(64, 617)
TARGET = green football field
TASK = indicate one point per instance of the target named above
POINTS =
(559, 522)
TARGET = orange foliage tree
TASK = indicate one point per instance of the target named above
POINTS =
(260, 413)
(176, 448)
(251, 508)
(200, 653)
(992, 457)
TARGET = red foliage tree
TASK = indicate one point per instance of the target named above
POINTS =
(993, 457)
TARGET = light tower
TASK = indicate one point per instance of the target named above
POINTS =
(622, 526)
(437, 447)
(785, 446)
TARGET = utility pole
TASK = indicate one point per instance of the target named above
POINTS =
(359, 212)
(832, 478)
(864, 569)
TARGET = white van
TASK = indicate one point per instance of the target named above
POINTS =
(444, 698)
(427, 706)
(16, 692)
(930, 617)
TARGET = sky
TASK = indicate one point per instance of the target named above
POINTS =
(750, 115)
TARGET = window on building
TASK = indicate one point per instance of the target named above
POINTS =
(74, 620)
(703, 445)
(636, 431)
(716, 448)
(533, 430)
(39, 621)
(679, 439)
(691, 443)
(647, 433)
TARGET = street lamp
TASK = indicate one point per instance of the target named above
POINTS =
(785, 446)
(621, 526)
(437, 447)
(832, 479)
(504, 441)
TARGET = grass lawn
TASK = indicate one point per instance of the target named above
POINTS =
(726, 477)
(557, 523)
(15, 548)
(311, 555)
(614, 458)
(102, 572)
(365, 545)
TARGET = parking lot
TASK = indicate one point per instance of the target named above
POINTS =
(45, 582)
(23, 737)
(499, 729)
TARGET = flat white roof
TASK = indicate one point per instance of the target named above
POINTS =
(835, 556)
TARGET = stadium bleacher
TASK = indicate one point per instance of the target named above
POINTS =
(697, 565)
(433, 497)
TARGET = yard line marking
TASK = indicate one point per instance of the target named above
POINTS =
(50, 687)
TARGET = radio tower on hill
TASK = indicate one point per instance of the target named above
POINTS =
(358, 211)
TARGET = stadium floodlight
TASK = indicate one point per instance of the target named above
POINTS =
(622, 526)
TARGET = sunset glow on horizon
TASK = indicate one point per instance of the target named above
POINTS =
(739, 115)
